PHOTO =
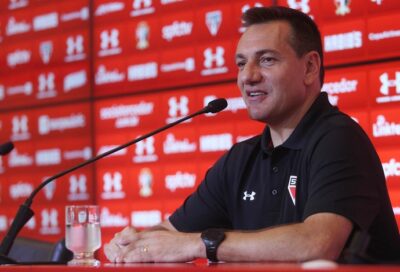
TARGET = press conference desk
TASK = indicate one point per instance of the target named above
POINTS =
(227, 267)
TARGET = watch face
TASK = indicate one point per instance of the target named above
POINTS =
(213, 235)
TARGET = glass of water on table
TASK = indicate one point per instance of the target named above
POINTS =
(82, 233)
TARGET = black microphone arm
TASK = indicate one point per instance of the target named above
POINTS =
(6, 148)
(25, 212)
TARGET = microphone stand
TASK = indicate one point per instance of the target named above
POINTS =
(25, 212)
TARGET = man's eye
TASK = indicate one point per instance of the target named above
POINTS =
(267, 60)
(240, 64)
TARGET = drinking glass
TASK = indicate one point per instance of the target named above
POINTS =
(82, 233)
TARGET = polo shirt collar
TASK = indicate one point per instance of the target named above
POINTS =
(297, 139)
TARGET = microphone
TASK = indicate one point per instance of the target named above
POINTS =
(6, 148)
(25, 212)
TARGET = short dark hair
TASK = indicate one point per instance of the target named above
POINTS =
(305, 36)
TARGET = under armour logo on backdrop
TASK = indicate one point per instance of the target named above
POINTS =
(249, 196)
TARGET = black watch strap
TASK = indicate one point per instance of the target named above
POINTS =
(212, 238)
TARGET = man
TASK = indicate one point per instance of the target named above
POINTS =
(297, 192)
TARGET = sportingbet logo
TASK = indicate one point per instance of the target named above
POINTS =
(112, 186)
(390, 88)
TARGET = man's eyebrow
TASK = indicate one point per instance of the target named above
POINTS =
(257, 53)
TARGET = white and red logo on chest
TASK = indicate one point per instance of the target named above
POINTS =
(292, 188)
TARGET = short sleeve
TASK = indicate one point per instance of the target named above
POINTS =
(206, 207)
(345, 173)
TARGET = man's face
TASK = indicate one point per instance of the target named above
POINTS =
(270, 76)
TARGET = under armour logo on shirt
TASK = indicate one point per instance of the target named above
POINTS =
(249, 196)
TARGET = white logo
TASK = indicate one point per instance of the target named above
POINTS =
(174, 146)
(78, 188)
(75, 80)
(82, 14)
(187, 65)
(2, 92)
(16, 4)
(106, 8)
(383, 128)
(145, 219)
(109, 43)
(217, 142)
(177, 108)
(47, 86)
(145, 151)
(112, 186)
(48, 157)
(112, 220)
(176, 29)
(142, 35)
(3, 223)
(145, 182)
(104, 76)
(342, 7)
(2, 170)
(47, 124)
(142, 71)
(20, 190)
(180, 180)
(46, 50)
(378, 2)
(49, 190)
(343, 41)
(391, 168)
(26, 88)
(75, 48)
(49, 224)
(18, 57)
(214, 61)
(213, 21)
(251, 196)
(19, 160)
(13, 27)
(386, 85)
(302, 5)
(141, 7)
(45, 21)
(84, 154)
(20, 130)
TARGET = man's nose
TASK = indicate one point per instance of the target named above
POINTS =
(250, 74)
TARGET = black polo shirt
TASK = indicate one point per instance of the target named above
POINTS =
(328, 164)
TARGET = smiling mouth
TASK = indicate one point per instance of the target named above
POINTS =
(255, 93)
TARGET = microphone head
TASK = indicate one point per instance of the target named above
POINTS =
(6, 148)
(216, 105)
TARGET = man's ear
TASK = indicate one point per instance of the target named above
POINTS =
(313, 64)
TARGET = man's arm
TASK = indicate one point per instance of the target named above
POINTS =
(320, 236)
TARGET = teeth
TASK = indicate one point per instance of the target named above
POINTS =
(252, 94)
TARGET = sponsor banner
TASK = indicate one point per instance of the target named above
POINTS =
(215, 139)
(240, 7)
(21, 158)
(46, 18)
(143, 34)
(110, 76)
(139, 8)
(18, 187)
(75, 81)
(12, 5)
(180, 179)
(110, 11)
(362, 118)
(75, 46)
(344, 42)
(49, 51)
(67, 153)
(114, 217)
(7, 214)
(178, 67)
(142, 72)
(382, 6)
(216, 61)
(146, 151)
(113, 184)
(245, 130)
(339, 10)
(309, 7)
(165, 6)
(236, 109)
(127, 113)
(64, 121)
(107, 142)
(49, 221)
(390, 159)
(18, 56)
(346, 88)
(146, 182)
(180, 144)
(74, 14)
(176, 105)
(47, 84)
(178, 29)
(215, 23)
(110, 40)
(384, 84)
(385, 125)
(383, 36)
(17, 90)
(18, 24)
(146, 214)
(19, 126)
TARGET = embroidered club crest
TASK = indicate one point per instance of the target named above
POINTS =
(292, 188)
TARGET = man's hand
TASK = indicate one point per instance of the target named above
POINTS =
(154, 246)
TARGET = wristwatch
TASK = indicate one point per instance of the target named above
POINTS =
(212, 238)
